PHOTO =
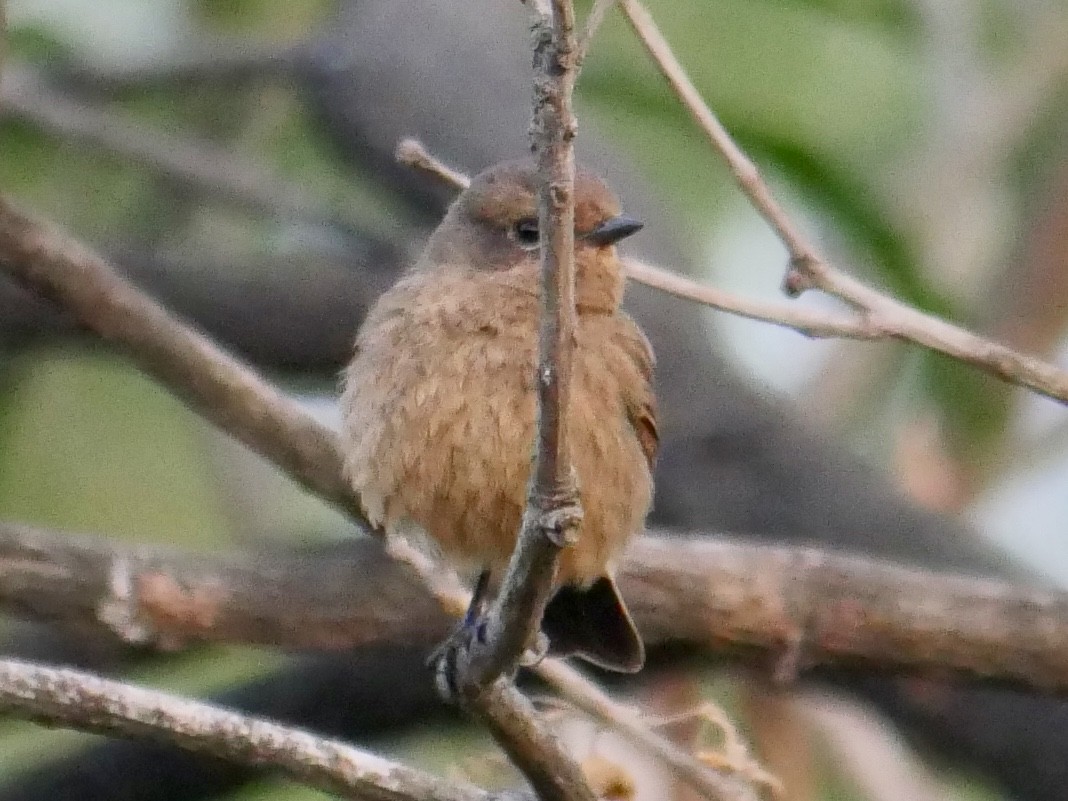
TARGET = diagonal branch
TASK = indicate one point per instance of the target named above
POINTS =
(88, 703)
(808, 269)
(210, 381)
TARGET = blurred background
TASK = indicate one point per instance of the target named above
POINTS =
(234, 159)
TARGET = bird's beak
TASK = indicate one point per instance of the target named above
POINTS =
(612, 230)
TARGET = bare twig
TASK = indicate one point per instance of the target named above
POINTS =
(810, 323)
(593, 23)
(88, 703)
(808, 269)
(413, 153)
(212, 382)
(553, 512)
(483, 672)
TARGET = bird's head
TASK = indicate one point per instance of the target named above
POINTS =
(493, 228)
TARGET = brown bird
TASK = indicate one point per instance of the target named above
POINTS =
(439, 403)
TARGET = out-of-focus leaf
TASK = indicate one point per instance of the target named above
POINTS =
(90, 444)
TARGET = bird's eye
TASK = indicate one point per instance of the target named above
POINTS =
(526, 233)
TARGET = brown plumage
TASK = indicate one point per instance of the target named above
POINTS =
(439, 404)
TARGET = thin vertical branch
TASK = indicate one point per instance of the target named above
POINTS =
(482, 672)
(553, 512)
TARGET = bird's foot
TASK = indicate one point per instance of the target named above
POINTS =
(447, 659)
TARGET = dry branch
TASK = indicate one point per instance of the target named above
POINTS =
(808, 269)
(213, 383)
(553, 513)
(89, 703)
(808, 322)
(752, 603)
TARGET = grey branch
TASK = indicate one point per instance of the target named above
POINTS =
(552, 513)
(88, 703)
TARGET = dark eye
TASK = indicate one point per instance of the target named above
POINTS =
(526, 233)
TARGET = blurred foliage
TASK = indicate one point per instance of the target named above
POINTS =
(831, 97)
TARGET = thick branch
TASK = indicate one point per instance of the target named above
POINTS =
(335, 597)
(808, 269)
(88, 703)
(758, 604)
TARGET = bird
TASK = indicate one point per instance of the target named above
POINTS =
(439, 403)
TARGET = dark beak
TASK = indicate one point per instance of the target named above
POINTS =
(612, 230)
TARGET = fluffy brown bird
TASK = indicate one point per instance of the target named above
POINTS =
(439, 402)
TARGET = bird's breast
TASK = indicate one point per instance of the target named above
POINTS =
(440, 420)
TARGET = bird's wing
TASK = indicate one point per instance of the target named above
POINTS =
(638, 396)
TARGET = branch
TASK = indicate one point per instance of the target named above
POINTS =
(413, 153)
(88, 703)
(553, 513)
(211, 382)
(810, 323)
(169, 598)
(752, 603)
(808, 269)
(483, 671)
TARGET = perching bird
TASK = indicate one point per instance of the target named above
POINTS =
(439, 403)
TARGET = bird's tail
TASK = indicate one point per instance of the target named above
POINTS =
(593, 623)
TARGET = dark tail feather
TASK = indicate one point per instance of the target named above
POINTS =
(594, 623)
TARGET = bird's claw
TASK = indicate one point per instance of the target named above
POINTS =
(447, 658)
